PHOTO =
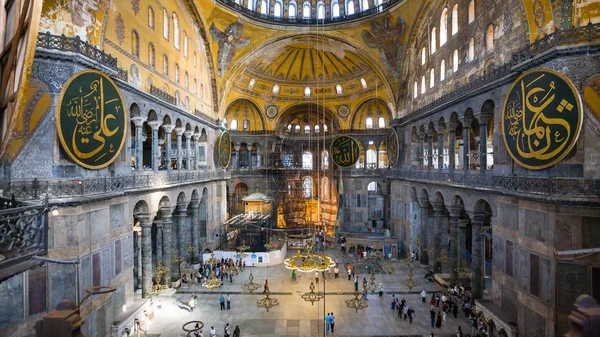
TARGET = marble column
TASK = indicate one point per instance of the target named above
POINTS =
(183, 235)
(429, 149)
(466, 143)
(440, 143)
(159, 240)
(167, 222)
(146, 254)
(424, 230)
(451, 147)
(194, 205)
(179, 133)
(168, 129)
(454, 254)
(477, 281)
(139, 153)
(421, 153)
(195, 138)
(377, 162)
(188, 150)
(237, 156)
(155, 152)
(138, 236)
(462, 241)
(440, 232)
(483, 119)
(366, 148)
(258, 161)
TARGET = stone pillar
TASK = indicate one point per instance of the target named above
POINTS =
(167, 222)
(462, 240)
(466, 141)
(188, 150)
(440, 142)
(146, 254)
(258, 161)
(377, 161)
(478, 224)
(421, 154)
(155, 152)
(451, 147)
(425, 230)
(440, 232)
(429, 149)
(366, 149)
(139, 153)
(483, 119)
(194, 205)
(159, 240)
(237, 156)
(179, 132)
(138, 236)
(454, 254)
(168, 129)
(183, 235)
(196, 160)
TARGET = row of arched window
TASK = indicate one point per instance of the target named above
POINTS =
(234, 124)
(307, 128)
(307, 90)
(306, 9)
(307, 187)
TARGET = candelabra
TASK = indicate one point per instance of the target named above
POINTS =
(389, 268)
(212, 282)
(159, 274)
(267, 302)
(372, 286)
(462, 270)
(212, 260)
(251, 286)
(242, 248)
(356, 303)
(410, 282)
(311, 296)
(192, 331)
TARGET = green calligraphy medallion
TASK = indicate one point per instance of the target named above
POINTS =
(393, 146)
(344, 151)
(541, 119)
(90, 119)
(224, 149)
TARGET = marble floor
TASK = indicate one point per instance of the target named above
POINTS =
(296, 317)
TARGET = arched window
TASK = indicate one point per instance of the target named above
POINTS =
(251, 84)
(489, 39)
(350, 7)
(175, 31)
(422, 84)
(307, 159)
(187, 102)
(151, 55)
(335, 9)
(372, 187)
(423, 56)
(201, 90)
(325, 159)
(165, 65)
(185, 44)
(307, 184)
(306, 10)
(195, 60)
(455, 19)
(369, 123)
(186, 80)
(135, 43)
(297, 129)
(455, 61)
(371, 158)
(177, 98)
(443, 70)
(246, 124)
(444, 27)
(176, 72)
(363, 82)
(433, 39)
(292, 10)
(165, 24)
(276, 89)
(471, 11)
(471, 49)
(320, 10)
(307, 129)
(277, 9)
(381, 122)
(289, 128)
(195, 87)
(415, 90)
(324, 127)
(338, 89)
(431, 78)
(365, 5)
(252, 5)
(234, 124)
(151, 17)
(307, 91)
(317, 129)
(264, 7)
(325, 188)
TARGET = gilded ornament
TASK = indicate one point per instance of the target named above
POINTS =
(345, 151)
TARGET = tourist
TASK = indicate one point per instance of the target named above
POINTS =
(332, 321)
(468, 295)
(438, 320)
(423, 296)
(432, 315)
(437, 300)
(459, 332)
(364, 282)
(349, 274)
(213, 332)
(444, 311)
(236, 332)
(410, 315)
(327, 324)
(266, 286)
(467, 309)
(364, 254)
(228, 302)
(316, 277)
(192, 303)
(365, 293)
(474, 327)
(222, 302)
(294, 275)
(336, 271)
(356, 283)
(198, 331)
(393, 302)
(405, 311)
(454, 309)
(380, 289)
(226, 331)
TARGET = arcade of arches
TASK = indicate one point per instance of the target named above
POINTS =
(229, 109)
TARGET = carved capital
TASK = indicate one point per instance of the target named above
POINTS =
(179, 131)
(155, 125)
(168, 128)
(138, 121)
(452, 126)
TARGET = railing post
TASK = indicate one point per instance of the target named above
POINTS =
(47, 39)
(76, 48)
(35, 185)
(63, 41)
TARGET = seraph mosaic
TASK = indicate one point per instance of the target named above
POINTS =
(228, 41)
(385, 36)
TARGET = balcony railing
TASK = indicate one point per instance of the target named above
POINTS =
(156, 91)
(72, 188)
(300, 21)
(23, 234)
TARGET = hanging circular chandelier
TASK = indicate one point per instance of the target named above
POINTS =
(312, 296)
(251, 286)
(212, 282)
(356, 303)
(306, 261)
(267, 302)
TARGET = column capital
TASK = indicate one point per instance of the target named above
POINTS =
(467, 122)
(168, 128)
(438, 209)
(455, 212)
(441, 130)
(430, 133)
(188, 134)
(144, 219)
(423, 203)
(196, 137)
(195, 203)
(138, 121)
(452, 126)
(154, 125)
(462, 223)
(179, 130)
(158, 223)
(421, 135)
(484, 117)
(480, 217)
(181, 209)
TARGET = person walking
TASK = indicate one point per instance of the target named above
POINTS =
(316, 277)
(332, 321)
(192, 303)
(405, 311)
(474, 326)
(438, 320)
(266, 286)
(454, 309)
(226, 332)
(444, 311)
(423, 296)
(236, 332)
(437, 300)
(393, 302)
(327, 324)
(222, 302)
(213, 332)
(380, 289)
(432, 315)
(410, 315)
(228, 302)
(198, 332)
(349, 274)
(336, 272)
(459, 332)
(355, 283)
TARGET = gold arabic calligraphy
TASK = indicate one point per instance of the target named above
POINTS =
(344, 151)
(535, 134)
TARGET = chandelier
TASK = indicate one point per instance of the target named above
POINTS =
(212, 282)
(410, 282)
(356, 303)
(462, 270)
(308, 262)
(311, 296)
(372, 286)
(270, 245)
(267, 302)
(212, 260)
(191, 331)
(242, 248)
(251, 286)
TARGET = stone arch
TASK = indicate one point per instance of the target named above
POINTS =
(194, 194)
(152, 116)
(181, 198)
(242, 109)
(240, 191)
(370, 108)
(167, 120)
(134, 110)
